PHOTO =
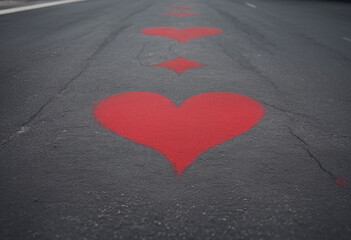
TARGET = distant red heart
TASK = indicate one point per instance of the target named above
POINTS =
(180, 14)
(181, 35)
(183, 132)
(181, 7)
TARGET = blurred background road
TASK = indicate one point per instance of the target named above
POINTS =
(63, 176)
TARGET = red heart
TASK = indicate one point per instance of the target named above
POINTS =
(180, 14)
(181, 7)
(181, 35)
(183, 132)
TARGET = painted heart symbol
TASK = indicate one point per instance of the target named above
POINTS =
(180, 14)
(180, 133)
(181, 35)
(181, 7)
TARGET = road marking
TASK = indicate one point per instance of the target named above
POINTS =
(180, 14)
(250, 5)
(179, 65)
(347, 39)
(181, 35)
(181, 7)
(41, 5)
(181, 133)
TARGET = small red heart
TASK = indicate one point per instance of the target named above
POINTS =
(183, 132)
(180, 14)
(181, 35)
(179, 65)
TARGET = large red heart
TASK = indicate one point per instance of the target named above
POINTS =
(181, 35)
(183, 132)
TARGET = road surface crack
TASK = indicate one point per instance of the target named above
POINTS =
(245, 63)
(345, 136)
(139, 55)
(298, 138)
(252, 34)
(307, 147)
(291, 112)
(86, 66)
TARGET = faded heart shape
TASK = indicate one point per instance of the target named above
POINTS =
(181, 35)
(183, 132)
(181, 7)
(180, 14)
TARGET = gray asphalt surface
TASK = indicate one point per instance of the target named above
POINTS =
(63, 176)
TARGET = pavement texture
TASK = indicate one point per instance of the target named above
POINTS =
(64, 176)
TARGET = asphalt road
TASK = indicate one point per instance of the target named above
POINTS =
(64, 176)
